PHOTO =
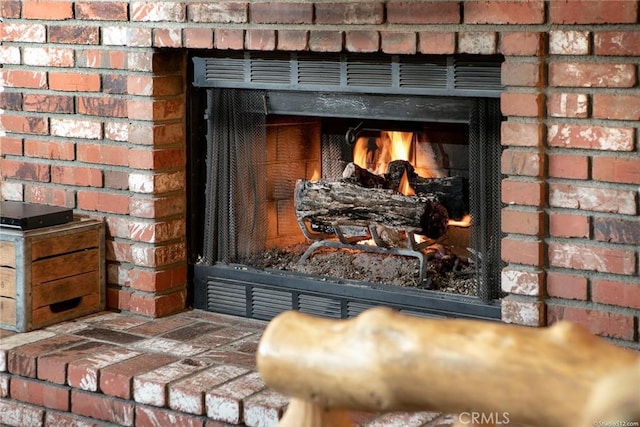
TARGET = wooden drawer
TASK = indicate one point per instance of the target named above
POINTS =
(51, 274)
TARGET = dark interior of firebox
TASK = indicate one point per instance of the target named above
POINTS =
(319, 150)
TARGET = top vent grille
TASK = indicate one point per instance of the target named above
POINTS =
(369, 73)
(319, 70)
(475, 74)
(225, 69)
(415, 75)
(420, 74)
(274, 69)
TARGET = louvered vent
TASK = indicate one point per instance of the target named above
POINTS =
(419, 314)
(226, 69)
(274, 69)
(267, 303)
(355, 308)
(477, 75)
(263, 295)
(319, 70)
(226, 297)
(417, 73)
(407, 74)
(319, 306)
(369, 73)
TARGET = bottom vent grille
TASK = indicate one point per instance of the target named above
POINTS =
(355, 308)
(226, 297)
(267, 303)
(320, 306)
(263, 295)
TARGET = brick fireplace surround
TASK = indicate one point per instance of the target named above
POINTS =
(94, 113)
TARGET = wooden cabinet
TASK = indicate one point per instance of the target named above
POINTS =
(51, 274)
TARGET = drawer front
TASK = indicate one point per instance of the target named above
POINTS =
(64, 243)
(57, 291)
(66, 265)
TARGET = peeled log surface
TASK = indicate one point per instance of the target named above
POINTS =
(363, 177)
(451, 191)
(327, 202)
(387, 361)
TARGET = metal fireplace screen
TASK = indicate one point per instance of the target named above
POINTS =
(235, 196)
(233, 222)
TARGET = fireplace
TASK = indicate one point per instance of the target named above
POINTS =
(268, 123)
(96, 120)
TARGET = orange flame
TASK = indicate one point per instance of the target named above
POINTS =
(400, 147)
(404, 187)
(364, 154)
(374, 154)
(464, 222)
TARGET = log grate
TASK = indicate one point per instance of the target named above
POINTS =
(347, 241)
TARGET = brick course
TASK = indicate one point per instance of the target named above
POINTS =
(428, 12)
(598, 321)
(102, 380)
(593, 12)
(40, 393)
(23, 360)
(567, 286)
(505, 12)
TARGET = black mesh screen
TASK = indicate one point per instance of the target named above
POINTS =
(235, 187)
(236, 184)
(484, 190)
(333, 156)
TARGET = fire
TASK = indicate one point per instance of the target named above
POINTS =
(404, 187)
(464, 222)
(364, 154)
(374, 154)
(400, 146)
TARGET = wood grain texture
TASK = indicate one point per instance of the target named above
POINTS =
(58, 274)
(8, 254)
(8, 311)
(47, 315)
(385, 361)
(8, 282)
(327, 202)
(65, 289)
(65, 265)
(66, 242)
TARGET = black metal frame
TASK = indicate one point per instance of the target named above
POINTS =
(239, 285)
(433, 75)
(348, 297)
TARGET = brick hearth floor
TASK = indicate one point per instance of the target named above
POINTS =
(192, 369)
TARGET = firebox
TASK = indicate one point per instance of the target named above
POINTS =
(332, 183)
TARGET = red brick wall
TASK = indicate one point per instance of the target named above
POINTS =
(94, 113)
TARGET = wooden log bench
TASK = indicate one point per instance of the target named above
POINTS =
(384, 361)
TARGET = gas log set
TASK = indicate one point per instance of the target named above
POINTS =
(400, 199)
(373, 226)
